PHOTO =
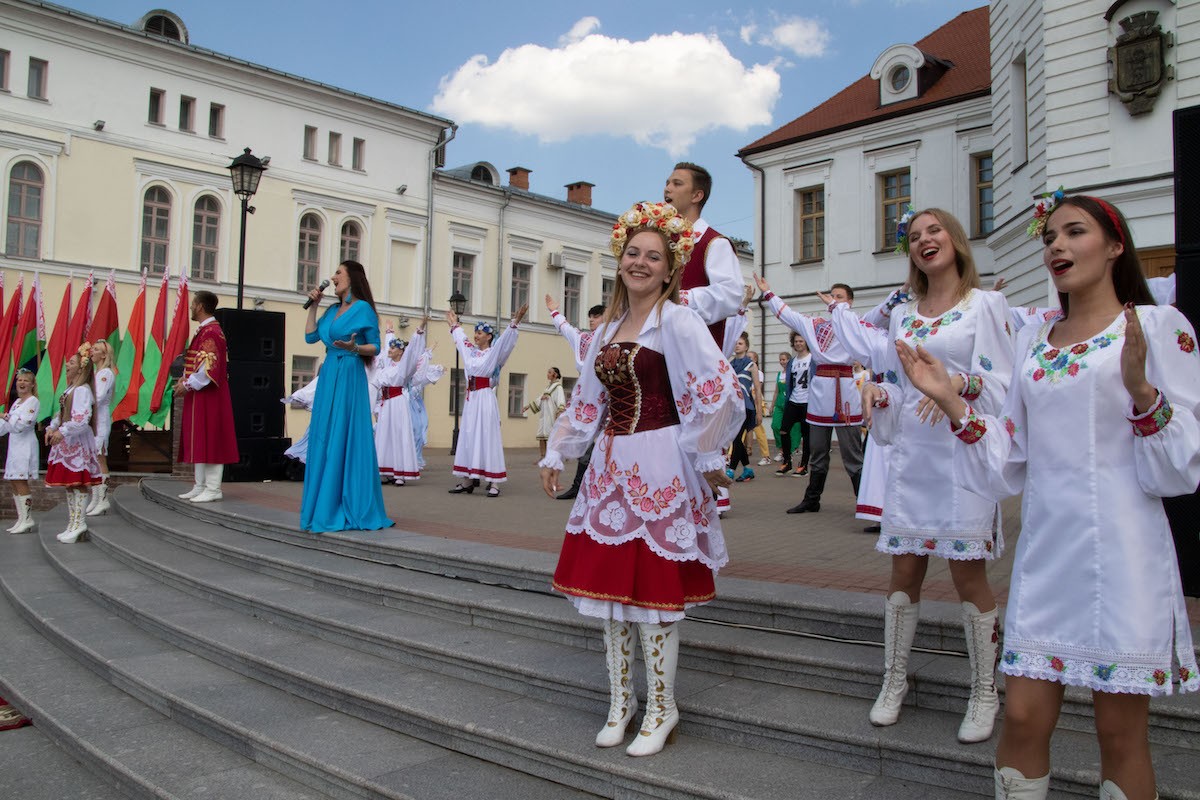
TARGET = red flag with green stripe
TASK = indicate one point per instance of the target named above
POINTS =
(8, 324)
(129, 360)
(174, 346)
(152, 358)
(106, 322)
(51, 370)
(25, 338)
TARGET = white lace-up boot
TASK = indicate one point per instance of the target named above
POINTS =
(1110, 791)
(983, 636)
(1012, 785)
(622, 702)
(77, 525)
(24, 523)
(99, 502)
(660, 651)
(899, 627)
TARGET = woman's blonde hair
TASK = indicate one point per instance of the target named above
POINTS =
(968, 275)
(620, 298)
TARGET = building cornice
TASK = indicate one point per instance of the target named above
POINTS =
(304, 197)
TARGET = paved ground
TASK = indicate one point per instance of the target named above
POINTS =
(827, 549)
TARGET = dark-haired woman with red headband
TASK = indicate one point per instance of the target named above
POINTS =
(1099, 424)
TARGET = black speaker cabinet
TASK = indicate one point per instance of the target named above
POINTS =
(262, 459)
(256, 387)
(253, 335)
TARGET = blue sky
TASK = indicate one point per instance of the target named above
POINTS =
(612, 94)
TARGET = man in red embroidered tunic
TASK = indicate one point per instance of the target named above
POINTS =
(712, 278)
(207, 437)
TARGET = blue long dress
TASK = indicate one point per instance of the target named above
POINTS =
(341, 477)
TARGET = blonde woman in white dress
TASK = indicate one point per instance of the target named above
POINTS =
(103, 385)
(22, 464)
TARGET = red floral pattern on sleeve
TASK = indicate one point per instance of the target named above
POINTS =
(1155, 418)
(972, 430)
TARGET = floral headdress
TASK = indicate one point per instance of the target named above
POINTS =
(394, 342)
(902, 229)
(663, 216)
(485, 327)
(1042, 211)
(85, 353)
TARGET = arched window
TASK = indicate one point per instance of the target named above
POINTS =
(308, 259)
(351, 238)
(25, 188)
(156, 230)
(206, 226)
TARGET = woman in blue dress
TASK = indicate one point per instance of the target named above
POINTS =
(341, 477)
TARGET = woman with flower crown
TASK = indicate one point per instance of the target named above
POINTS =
(479, 454)
(21, 465)
(968, 328)
(72, 461)
(643, 540)
(1099, 424)
(394, 445)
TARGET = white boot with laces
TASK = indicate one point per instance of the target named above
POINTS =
(983, 636)
(899, 627)
(622, 702)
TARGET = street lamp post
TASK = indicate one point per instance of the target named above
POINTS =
(458, 304)
(246, 171)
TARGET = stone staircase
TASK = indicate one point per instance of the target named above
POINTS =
(212, 651)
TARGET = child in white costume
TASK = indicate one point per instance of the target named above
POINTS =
(104, 383)
(394, 445)
(21, 465)
(480, 452)
(1100, 422)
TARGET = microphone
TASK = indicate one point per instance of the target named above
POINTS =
(324, 285)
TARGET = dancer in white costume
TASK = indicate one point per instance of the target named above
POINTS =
(394, 445)
(427, 373)
(104, 383)
(480, 452)
(1099, 424)
(301, 399)
(21, 465)
(924, 514)
(578, 341)
(643, 540)
(548, 407)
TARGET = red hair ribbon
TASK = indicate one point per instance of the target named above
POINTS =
(1112, 216)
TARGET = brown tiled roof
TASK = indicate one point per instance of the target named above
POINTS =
(964, 42)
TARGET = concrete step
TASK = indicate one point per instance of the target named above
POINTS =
(34, 768)
(772, 606)
(817, 726)
(939, 681)
(549, 740)
(253, 734)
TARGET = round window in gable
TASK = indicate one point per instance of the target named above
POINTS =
(899, 78)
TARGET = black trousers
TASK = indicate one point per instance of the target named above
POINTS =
(739, 454)
(795, 413)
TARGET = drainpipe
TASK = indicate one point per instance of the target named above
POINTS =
(429, 219)
(500, 260)
(761, 252)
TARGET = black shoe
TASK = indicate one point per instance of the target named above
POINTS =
(872, 529)
(806, 506)
(460, 489)
(569, 494)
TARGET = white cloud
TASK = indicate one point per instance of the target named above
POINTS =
(579, 30)
(807, 38)
(747, 33)
(662, 92)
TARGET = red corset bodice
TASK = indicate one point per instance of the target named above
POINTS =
(639, 390)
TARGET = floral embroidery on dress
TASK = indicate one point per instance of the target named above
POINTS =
(1186, 343)
(586, 413)
(972, 430)
(986, 362)
(1055, 364)
(1010, 426)
(1159, 677)
(1056, 663)
(681, 533)
(972, 387)
(914, 326)
(1077, 670)
(946, 548)
(699, 511)
(647, 501)
(1011, 657)
(1104, 671)
(1154, 420)
(613, 516)
(1185, 674)
(709, 391)
(684, 404)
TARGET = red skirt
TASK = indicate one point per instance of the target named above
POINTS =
(58, 475)
(631, 574)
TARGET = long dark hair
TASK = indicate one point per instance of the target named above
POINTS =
(360, 289)
(1128, 279)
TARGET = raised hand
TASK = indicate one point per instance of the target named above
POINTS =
(747, 294)
(762, 284)
(451, 318)
(551, 304)
(999, 284)
(520, 314)
(424, 323)
(826, 298)
(1133, 363)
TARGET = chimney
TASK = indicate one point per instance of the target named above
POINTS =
(580, 192)
(518, 178)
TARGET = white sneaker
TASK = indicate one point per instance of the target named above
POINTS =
(197, 489)
(207, 496)
(778, 457)
(764, 462)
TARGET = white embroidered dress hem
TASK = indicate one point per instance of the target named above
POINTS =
(480, 452)
(18, 423)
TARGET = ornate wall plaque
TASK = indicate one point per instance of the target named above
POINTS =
(1139, 62)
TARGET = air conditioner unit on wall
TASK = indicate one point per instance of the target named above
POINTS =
(554, 260)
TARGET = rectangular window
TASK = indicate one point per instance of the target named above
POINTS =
(981, 206)
(1018, 92)
(216, 120)
(458, 390)
(810, 224)
(335, 149)
(521, 277)
(572, 298)
(187, 114)
(304, 369)
(516, 394)
(358, 155)
(4, 56)
(155, 114)
(39, 75)
(462, 271)
(310, 143)
(569, 386)
(895, 192)
(607, 285)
